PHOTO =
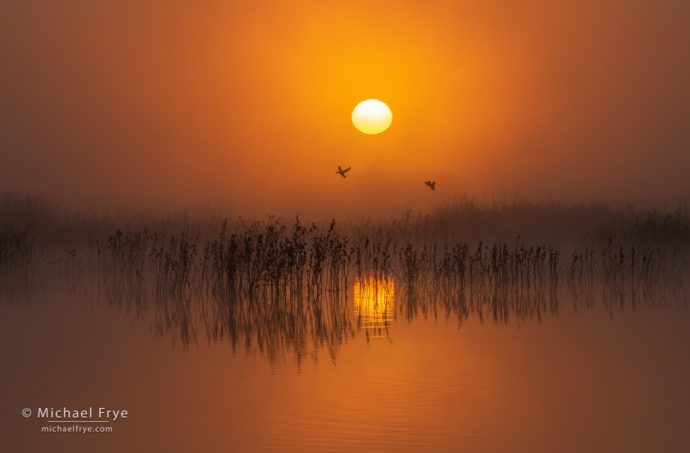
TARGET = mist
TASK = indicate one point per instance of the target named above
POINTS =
(127, 105)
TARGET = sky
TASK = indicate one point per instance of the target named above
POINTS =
(147, 104)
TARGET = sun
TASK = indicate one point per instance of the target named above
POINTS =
(372, 116)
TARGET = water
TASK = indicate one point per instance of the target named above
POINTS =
(371, 369)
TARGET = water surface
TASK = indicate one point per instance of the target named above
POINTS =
(373, 369)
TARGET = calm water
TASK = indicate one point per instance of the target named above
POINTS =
(371, 370)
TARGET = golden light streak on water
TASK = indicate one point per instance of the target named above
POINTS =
(374, 299)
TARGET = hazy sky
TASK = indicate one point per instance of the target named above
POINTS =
(142, 103)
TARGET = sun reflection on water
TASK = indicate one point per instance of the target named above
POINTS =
(374, 298)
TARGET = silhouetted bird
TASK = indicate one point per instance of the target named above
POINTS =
(342, 172)
(430, 184)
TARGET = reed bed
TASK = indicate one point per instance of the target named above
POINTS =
(277, 284)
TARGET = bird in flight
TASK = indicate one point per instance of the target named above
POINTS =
(342, 171)
(430, 184)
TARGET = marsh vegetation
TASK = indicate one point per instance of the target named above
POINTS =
(281, 284)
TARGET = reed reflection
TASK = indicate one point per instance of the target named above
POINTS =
(284, 290)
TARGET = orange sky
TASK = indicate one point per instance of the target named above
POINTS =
(127, 103)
